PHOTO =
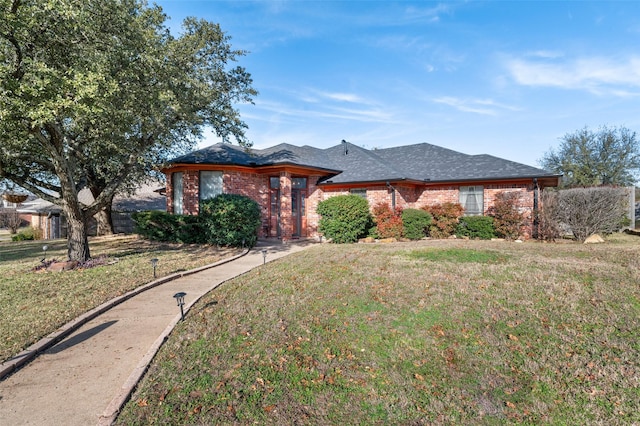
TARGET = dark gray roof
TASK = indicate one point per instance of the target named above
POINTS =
(347, 163)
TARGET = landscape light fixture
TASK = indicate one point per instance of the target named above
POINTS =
(264, 256)
(180, 300)
(154, 263)
(44, 250)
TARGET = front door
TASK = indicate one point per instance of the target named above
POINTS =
(298, 212)
(298, 206)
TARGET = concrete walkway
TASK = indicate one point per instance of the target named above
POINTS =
(85, 378)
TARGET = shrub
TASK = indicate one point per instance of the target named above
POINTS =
(231, 220)
(27, 234)
(476, 227)
(162, 226)
(587, 211)
(548, 228)
(416, 223)
(445, 219)
(344, 218)
(388, 222)
(226, 220)
(506, 212)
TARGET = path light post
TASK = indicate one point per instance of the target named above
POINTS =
(154, 263)
(264, 256)
(44, 250)
(180, 300)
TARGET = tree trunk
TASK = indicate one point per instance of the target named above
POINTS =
(105, 221)
(77, 241)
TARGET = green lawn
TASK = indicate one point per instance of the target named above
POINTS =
(36, 303)
(445, 332)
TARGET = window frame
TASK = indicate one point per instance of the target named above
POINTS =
(218, 175)
(472, 190)
(177, 188)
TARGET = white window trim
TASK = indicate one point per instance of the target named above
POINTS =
(475, 191)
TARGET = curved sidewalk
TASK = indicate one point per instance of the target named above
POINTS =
(86, 377)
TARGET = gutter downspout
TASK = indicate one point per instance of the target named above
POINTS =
(393, 196)
(536, 218)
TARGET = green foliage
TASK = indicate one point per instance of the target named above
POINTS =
(226, 220)
(96, 93)
(610, 156)
(388, 222)
(506, 211)
(344, 218)
(27, 234)
(445, 219)
(162, 226)
(231, 220)
(476, 227)
(416, 223)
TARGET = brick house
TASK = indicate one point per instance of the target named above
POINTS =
(289, 181)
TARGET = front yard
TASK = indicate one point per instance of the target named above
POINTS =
(444, 332)
(34, 304)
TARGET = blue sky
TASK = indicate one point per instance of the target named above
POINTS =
(506, 78)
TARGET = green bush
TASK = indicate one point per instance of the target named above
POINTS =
(344, 218)
(476, 227)
(162, 226)
(416, 223)
(27, 234)
(231, 220)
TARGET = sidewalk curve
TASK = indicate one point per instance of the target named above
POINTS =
(96, 360)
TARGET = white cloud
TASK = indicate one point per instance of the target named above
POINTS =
(476, 106)
(597, 75)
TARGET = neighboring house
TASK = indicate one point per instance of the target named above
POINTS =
(289, 181)
(49, 218)
(45, 216)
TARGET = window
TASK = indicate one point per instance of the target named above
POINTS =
(274, 182)
(472, 199)
(299, 183)
(176, 185)
(359, 192)
(210, 184)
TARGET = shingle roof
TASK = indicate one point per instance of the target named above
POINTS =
(347, 163)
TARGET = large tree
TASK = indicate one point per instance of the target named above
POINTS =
(609, 156)
(92, 92)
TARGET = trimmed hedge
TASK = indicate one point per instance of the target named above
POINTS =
(231, 220)
(226, 220)
(476, 227)
(344, 218)
(416, 223)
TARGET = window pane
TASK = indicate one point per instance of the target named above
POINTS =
(274, 182)
(299, 183)
(210, 184)
(359, 192)
(177, 192)
(472, 199)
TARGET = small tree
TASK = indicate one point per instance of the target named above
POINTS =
(445, 219)
(507, 215)
(388, 222)
(610, 156)
(10, 218)
(344, 218)
(587, 211)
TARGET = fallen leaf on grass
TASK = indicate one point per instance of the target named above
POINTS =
(419, 376)
(142, 403)
(510, 404)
